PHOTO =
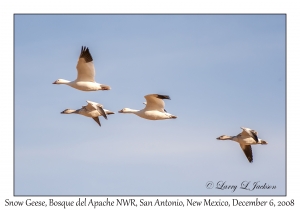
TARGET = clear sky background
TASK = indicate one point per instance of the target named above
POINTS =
(221, 72)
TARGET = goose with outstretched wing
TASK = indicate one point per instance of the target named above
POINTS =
(92, 110)
(246, 138)
(85, 80)
(154, 109)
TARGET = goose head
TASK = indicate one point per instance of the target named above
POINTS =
(128, 110)
(224, 137)
(61, 81)
(68, 111)
(125, 110)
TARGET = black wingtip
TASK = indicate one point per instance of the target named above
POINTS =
(97, 120)
(105, 116)
(254, 136)
(85, 53)
(250, 159)
(103, 112)
(163, 97)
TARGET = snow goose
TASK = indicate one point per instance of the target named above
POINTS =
(154, 109)
(85, 74)
(246, 138)
(92, 109)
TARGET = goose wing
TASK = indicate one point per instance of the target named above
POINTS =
(101, 111)
(248, 152)
(155, 102)
(164, 109)
(97, 120)
(85, 66)
(249, 132)
(91, 106)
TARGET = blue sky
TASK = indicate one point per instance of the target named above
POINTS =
(221, 72)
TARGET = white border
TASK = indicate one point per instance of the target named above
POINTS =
(8, 8)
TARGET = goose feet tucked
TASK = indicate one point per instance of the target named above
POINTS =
(263, 142)
(104, 87)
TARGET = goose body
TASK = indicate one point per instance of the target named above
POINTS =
(154, 109)
(92, 110)
(85, 80)
(246, 138)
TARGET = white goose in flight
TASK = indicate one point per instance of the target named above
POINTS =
(85, 74)
(154, 109)
(246, 138)
(92, 109)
